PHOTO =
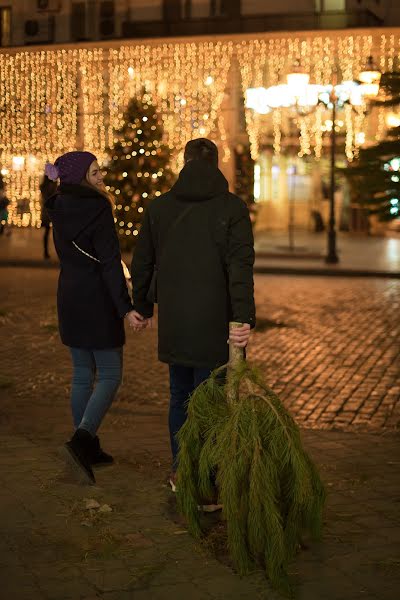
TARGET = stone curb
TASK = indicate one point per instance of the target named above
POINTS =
(258, 269)
(323, 271)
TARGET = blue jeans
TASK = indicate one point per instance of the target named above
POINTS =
(183, 381)
(90, 402)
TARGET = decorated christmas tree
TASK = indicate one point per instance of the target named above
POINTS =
(375, 176)
(138, 168)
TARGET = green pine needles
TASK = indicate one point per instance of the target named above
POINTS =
(270, 490)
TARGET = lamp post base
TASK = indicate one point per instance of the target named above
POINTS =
(332, 258)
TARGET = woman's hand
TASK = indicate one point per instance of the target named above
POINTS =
(136, 321)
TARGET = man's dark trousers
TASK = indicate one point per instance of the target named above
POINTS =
(183, 381)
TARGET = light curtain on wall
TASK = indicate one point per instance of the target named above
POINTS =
(266, 62)
(39, 107)
(94, 93)
(54, 101)
(187, 82)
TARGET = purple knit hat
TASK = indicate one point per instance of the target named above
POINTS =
(70, 167)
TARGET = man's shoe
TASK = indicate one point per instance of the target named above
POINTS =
(99, 458)
(208, 505)
(172, 482)
(78, 453)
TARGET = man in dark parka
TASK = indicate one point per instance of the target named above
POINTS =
(198, 239)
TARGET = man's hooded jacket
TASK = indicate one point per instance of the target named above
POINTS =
(204, 257)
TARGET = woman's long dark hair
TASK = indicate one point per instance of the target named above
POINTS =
(47, 187)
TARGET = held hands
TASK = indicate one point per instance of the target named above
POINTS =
(239, 336)
(137, 322)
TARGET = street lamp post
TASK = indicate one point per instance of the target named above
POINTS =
(370, 79)
(292, 192)
(305, 103)
(305, 97)
(332, 257)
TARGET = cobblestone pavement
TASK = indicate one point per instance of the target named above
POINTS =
(334, 359)
(329, 347)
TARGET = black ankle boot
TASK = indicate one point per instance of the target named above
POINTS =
(79, 450)
(99, 458)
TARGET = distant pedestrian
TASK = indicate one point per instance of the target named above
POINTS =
(92, 298)
(195, 253)
(47, 189)
(4, 202)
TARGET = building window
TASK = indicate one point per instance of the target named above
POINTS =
(187, 9)
(174, 9)
(5, 26)
(78, 21)
(330, 5)
(107, 18)
(217, 8)
(204, 8)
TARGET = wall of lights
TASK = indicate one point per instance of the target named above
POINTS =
(186, 80)
(266, 62)
(58, 99)
(39, 103)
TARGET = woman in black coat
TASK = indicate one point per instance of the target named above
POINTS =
(92, 298)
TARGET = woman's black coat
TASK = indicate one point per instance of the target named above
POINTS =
(205, 266)
(92, 297)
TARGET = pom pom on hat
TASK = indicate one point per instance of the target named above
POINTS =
(51, 171)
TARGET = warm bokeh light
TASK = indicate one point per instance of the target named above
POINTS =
(266, 63)
(57, 100)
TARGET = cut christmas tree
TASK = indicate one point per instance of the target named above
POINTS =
(138, 166)
(241, 434)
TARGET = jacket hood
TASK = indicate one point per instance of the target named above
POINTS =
(199, 180)
(73, 208)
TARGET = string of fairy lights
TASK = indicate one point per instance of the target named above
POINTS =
(39, 107)
(265, 63)
(94, 92)
(56, 100)
(187, 82)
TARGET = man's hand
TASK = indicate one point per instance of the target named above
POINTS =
(136, 321)
(239, 336)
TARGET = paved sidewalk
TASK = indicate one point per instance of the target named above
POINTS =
(359, 255)
(53, 548)
(329, 347)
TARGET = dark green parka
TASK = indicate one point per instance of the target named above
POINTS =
(204, 266)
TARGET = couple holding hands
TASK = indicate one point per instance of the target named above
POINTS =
(194, 257)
